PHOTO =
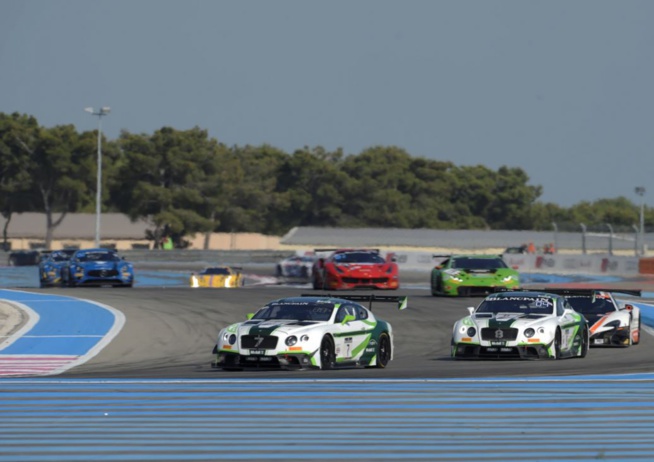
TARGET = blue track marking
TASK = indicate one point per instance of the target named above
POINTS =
(571, 418)
(68, 331)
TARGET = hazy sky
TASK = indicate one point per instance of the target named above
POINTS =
(562, 89)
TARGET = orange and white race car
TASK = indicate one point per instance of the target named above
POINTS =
(610, 322)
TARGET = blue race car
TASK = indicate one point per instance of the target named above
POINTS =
(52, 265)
(98, 267)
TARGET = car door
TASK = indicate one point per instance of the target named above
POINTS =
(569, 321)
(350, 333)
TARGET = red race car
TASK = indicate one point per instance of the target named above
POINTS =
(354, 269)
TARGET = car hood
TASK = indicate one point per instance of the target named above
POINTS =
(363, 268)
(277, 327)
(516, 320)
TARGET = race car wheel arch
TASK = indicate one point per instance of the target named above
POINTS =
(327, 356)
(384, 352)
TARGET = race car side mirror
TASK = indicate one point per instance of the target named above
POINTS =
(250, 316)
(347, 319)
(471, 309)
(629, 307)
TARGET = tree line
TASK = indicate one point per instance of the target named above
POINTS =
(185, 182)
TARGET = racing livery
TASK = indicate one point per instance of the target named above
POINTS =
(51, 266)
(355, 269)
(469, 275)
(521, 324)
(296, 266)
(610, 323)
(320, 332)
(98, 267)
(218, 276)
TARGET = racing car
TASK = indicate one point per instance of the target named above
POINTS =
(51, 266)
(354, 269)
(218, 276)
(309, 332)
(97, 267)
(521, 324)
(472, 275)
(295, 266)
(610, 323)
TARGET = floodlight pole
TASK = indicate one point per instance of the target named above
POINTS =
(103, 111)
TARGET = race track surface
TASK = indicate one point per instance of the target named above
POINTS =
(170, 332)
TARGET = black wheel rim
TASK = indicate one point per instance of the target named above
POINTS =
(384, 351)
(326, 354)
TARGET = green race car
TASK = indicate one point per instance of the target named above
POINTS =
(470, 275)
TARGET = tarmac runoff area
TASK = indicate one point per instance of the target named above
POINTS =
(11, 320)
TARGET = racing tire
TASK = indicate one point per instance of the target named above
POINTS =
(436, 286)
(304, 273)
(585, 344)
(327, 356)
(278, 271)
(557, 345)
(316, 285)
(383, 351)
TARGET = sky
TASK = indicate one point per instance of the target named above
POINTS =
(561, 89)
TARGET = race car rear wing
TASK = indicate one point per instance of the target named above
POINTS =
(587, 291)
(401, 300)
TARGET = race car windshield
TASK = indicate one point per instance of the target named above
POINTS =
(588, 306)
(98, 256)
(296, 312)
(222, 271)
(358, 257)
(523, 305)
(478, 263)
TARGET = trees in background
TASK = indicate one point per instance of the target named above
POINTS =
(184, 182)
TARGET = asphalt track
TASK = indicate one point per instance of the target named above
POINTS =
(170, 332)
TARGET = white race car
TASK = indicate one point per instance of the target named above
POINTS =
(611, 324)
(521, 324)
(310, 331)
(296, 266)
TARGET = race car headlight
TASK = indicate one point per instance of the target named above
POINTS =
(229, 338)
(613, 324)
(339, 269)
(304, 338)
(471, 331)
(507, 279)
(290, 341)
(529, 333)
(456, 278)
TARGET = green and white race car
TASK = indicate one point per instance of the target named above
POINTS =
(470, 275)
(310, 331)
(521, 324)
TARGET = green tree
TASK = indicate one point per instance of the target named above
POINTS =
(158, 178)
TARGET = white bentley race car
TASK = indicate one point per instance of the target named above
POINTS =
(521, 324)
(611, 323)
(310, 331)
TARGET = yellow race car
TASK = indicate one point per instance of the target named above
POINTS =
(218, 276)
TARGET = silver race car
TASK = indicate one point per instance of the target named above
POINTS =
(521, 324)
(611, 324)
(310, 331)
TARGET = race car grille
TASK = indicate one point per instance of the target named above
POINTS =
(493, 333)
(365, 280)
(104, 273)
(264, 342)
